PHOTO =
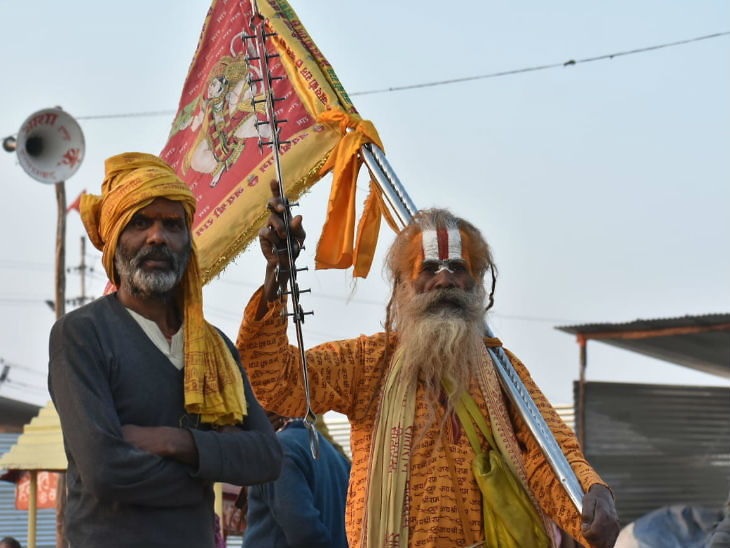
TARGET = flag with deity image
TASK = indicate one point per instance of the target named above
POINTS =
(218, 140)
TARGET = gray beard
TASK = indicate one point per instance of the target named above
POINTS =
(155, 283)
(440, 338)
(454, 304)
(440, 332)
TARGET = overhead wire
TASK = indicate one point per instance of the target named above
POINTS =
(499, 74)
(24, 368)
(568, 63)
(25, 386)
(22, 300)
(24, 265)
(6, 369)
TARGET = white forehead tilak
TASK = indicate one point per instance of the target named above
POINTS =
(442, 244)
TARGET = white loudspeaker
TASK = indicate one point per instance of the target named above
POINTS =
(50, 145)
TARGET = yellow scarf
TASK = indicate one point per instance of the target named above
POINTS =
(390, 451)
(213, 384)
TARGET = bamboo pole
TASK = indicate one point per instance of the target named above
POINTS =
(32, 509)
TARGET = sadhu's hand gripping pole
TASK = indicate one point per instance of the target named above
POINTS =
(259, 35)
(402, 209)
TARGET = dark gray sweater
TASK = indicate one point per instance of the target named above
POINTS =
(104, 372)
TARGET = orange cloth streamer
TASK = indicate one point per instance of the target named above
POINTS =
(335, 248)
(368, 229)
(212, 379)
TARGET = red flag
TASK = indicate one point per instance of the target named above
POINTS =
(75, 204)
(214, 141)
(47, 485)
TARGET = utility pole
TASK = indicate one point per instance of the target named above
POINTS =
(81, 269)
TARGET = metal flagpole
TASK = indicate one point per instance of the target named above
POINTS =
(402, 208)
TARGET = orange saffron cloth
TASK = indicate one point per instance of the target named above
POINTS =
(346, 376)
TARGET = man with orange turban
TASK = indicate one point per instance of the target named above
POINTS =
(440, 457)
(153, 403)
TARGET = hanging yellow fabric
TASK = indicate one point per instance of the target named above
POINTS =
(389, 463)
(368, 229)
(335, 248)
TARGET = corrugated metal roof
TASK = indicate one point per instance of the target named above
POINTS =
(566, 411)
(659, 445)
(40, 446)
(7, 440)
(699, 342)
(339, 428)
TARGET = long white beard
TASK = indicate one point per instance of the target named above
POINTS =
(440, 335)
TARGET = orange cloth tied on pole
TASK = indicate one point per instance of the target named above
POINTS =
(336, 247)
(213, 384)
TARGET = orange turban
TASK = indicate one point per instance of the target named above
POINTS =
(213, 383)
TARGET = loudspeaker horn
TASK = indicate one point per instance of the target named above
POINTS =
(50, 145)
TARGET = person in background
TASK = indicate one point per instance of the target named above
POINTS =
(305, 506)
(9, 542)
(431, 428)
(720, 535)
(153, 402)
(671, 526)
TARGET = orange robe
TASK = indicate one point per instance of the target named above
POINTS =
(347, 376)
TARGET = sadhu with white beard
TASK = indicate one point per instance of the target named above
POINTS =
(428, 418)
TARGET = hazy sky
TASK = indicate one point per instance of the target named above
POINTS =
(603, 187)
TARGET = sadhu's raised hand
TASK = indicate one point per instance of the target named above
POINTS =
(600, 524)
(272, 239)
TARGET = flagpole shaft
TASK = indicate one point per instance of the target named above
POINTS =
(403, 210)
(397, 198)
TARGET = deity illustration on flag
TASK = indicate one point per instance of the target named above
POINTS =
(218, 140)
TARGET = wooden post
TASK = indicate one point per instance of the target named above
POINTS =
(60, 249)
(580, 412)
(60, 307)
(32, 508)
(218, 505)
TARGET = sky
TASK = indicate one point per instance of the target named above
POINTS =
(603, 187)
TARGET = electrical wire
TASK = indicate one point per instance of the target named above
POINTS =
(22, 300)
(25, 265)
(37, 388)
(512, 72)
(570, 62)
(127, 115)
(7, 370)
